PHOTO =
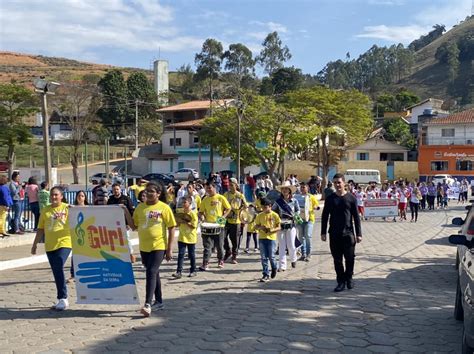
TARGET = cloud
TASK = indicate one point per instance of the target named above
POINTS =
(403, 34)
(80, 27)
(271, 26)
(421, 23)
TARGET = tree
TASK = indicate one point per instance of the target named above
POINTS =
(208, 63)
(239, 63)
(78, 104)
(115, 107)
(265, 128)
(16, 102)
(398, 131)
(336, 118)
(388, 102)
(273, 54)
(140, 90)
(287, 79)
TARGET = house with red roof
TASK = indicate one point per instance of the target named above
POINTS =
(446, 146)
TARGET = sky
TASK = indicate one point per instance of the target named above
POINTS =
(133, 33)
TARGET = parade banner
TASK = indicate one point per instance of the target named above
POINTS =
(453, 193)
(380, 207)
(103, 272)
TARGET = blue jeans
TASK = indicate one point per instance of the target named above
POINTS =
(267, 253)
(305, 234)
(191, 254)
(56, 259)
(16, 208)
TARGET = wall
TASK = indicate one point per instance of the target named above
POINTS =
(449, 153)
(303, 169)
(140, 165)
(462, 133)
(403, 169)
(165, 140)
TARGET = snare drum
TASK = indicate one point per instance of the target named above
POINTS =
(209, 228)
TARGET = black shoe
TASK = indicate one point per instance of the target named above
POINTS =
(350, 284)
(273, 274)
(293, 264)
(226, 256)
(340, 287)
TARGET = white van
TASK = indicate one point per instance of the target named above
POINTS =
(362, 176)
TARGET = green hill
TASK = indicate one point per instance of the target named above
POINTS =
(428, 77)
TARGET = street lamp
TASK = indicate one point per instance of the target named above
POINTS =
(44, 88)
(239, 105)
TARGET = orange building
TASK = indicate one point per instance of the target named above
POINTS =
(447, 146)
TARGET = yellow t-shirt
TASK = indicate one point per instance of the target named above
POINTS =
(236, 201)
(137, 189)
(188, 234)
(313, 204)
(55, 223)
(258, 205)
(152, 222)
(213, 207)
(270, 220)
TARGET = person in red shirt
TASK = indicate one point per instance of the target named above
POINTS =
(251, 183)
(225, 182)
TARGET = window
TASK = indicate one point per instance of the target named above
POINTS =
(178, 142)
(462, 165)
(447, 133)
(362, 156)
(178, 115)
(439, 165)
(196, 139)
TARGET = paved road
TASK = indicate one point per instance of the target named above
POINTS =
(402, 302)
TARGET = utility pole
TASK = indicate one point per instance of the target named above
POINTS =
(85, 170)
(46, 147)
(44, 88)
(239, 118)
(136, 124)
(107, 157)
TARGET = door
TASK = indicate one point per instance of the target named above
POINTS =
(390, 171)
(205, 169)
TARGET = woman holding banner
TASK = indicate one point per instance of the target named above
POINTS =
(152, 218)
(54, 227)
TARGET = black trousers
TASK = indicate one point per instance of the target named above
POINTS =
(343, 247)
(232, 232)
(211, 241)
(152, 261)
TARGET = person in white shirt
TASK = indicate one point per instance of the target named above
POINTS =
(402, 204)
(415, 197)
(394, 194)
(360, 196)
(268, 184)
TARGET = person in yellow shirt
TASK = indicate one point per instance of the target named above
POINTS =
(214, 207)
(307, 213)
(53, 226)
(251, 232)
(232, 228)
(267, 223)
(138, 187)
(188, 222)
(155, 223)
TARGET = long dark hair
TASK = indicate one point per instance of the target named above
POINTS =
(159, 188)
(86, 202)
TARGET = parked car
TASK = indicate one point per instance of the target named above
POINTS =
(183, 174)
(440, 179)
(95, 179)
(160, 177)
(464, 301)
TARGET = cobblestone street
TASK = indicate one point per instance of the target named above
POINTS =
(402, 302)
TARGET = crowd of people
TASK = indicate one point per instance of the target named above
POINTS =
(279, 224)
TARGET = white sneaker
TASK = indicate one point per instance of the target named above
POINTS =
(62, 304)
(146, 310)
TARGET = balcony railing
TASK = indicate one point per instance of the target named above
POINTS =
(447, 141)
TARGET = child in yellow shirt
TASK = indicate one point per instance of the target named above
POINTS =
(187, 237)
(267, 223)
